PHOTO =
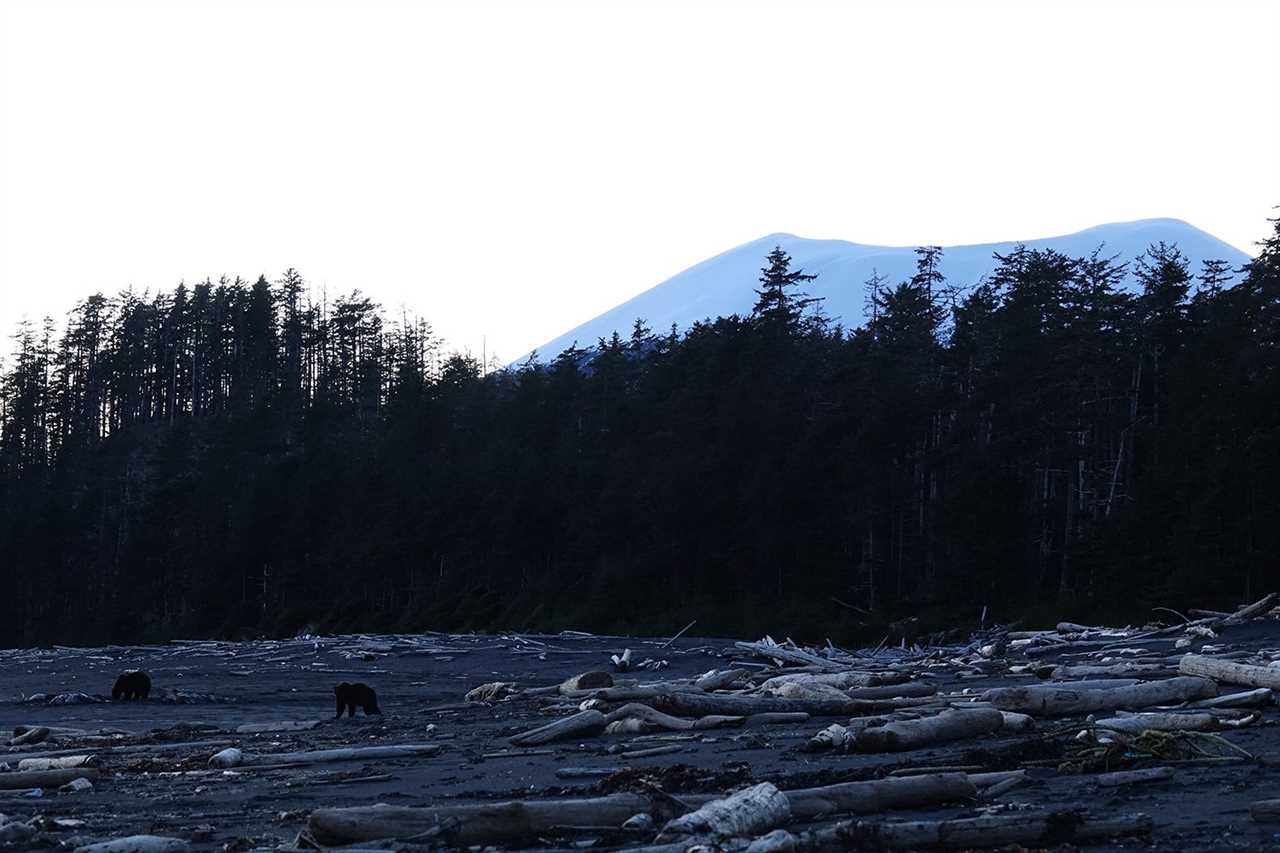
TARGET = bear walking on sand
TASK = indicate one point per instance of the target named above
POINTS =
(351, 695)
(134, 684)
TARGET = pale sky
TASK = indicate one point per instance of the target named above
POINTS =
(509, 170)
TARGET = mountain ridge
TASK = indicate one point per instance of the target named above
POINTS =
(724, 283)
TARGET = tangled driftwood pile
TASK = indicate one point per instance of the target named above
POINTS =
(1111, 705)
(962, 734)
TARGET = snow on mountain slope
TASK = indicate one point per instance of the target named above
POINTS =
(725, 284)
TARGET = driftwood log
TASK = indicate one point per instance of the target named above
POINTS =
(916, 734)
(989, 831)
(238, 758)
(1131, 777)
(1138, 723)
(588, 722)
(516, 820)
(1053, 701)
(44, 778)
(1229, 672)
(746, 813)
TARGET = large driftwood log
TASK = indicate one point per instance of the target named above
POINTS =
(720, 679)
(748, 812)
(137, 844)
(842, 680)
(239, 758)
(1258, 608)
(988, 831)
(588, 722)
(44, 778)
(796, 656)
(1138, 723)
(1229, 672)
(1132, 777)
(1245, 699)
(703, 704)
(516, 820)
(1129, 669)
(892, 691)
(1053, 701)
(66, 762)
(942, 728)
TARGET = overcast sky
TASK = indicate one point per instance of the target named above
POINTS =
(511, 169)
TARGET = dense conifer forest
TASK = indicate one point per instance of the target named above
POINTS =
(242, 458)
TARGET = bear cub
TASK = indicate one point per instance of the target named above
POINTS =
(351, 695)
(134, 684)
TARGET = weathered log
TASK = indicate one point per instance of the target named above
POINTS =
(1051, 701)
(797, 656)
(586, 681)
(484, 823)
(109, 751)
(1245, 699)
(808, 691)
(1229, 672)
(635, 710)
(277, 726)
(137, 844)
(988, 831)
(1129, 669)
(1258, 608)
(66, 762)
(842, 680)
(19, 779)
(1137, 723)
(32, 735)
(892, 691)
(720, 679)
(748, 812)
(702, 704)
(239, 758)
(942, 728)
(1133, 777)
(1265, 811)
(586, 722)
(775, 718)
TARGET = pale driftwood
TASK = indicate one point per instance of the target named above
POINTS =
(635, 710)
(1265, 811)
(1258, 608)
(1245, 699)
(748, 812)
(1229, 672)
(842, 680)
(586, 681)
(587, 722)
(34, 734)
(19, 779)
(512, 821)
(987, 831)
(1053, 701)
(1133, 777)
(277, 726)
(720, 679)
(1094, 683)
(775, 718)
(66, 762)
(796, 656)
(650, 752)
(702, 704)
(110, 751)
(808, 691)
(1128, 669)
(942, 728)
(1137, 723)
(240, 758)
(137, 844)
(892, 691)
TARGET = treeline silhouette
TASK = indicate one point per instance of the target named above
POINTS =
(239, 458)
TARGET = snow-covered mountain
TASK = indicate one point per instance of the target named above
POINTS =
(725, 284)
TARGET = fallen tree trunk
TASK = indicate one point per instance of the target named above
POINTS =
(841, 680)
(1131, 777)
(1258, 608)
(703, 704)
(44, 778)
(916, 734)
(1138, 723)
(1245, 699)
(66, 762)
(590, 721)
(990, 831)
(1229, 672)
(748, 812)
(137, 844)
(796, 656)
(516, 820)
(1116, 670)
(1051, 701)
(238, 758)
(892, 691)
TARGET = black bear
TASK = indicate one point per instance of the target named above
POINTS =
(134, 684)
(351, 695)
